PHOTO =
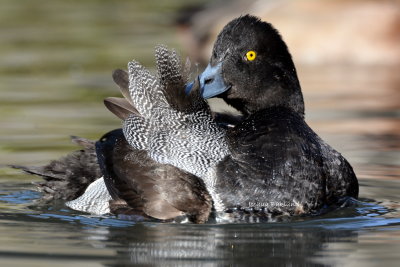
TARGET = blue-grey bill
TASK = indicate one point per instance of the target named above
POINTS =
(211, 82)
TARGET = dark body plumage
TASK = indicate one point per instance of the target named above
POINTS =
(280, 164)
(276, 164)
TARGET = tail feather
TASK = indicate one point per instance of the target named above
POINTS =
(121, 78)
(121, 107)
(68, 177)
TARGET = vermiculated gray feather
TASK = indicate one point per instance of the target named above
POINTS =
(174, 128)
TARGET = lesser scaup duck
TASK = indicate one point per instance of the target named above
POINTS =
(277, 162)
(180, 162)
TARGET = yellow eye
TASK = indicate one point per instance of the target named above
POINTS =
(251, 55)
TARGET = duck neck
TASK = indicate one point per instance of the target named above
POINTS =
(247, 107)
(279, 90)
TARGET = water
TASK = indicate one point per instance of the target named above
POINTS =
(56, 60)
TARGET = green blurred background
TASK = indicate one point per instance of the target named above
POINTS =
(56, 59)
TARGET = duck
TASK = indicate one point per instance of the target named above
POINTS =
(176, 160)
(276, 158)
